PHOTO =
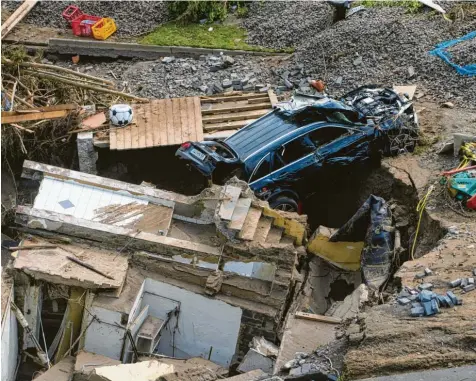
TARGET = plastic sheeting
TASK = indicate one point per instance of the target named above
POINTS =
(373, 221)
(442, 52)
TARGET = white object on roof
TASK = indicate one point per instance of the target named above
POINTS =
(431, 4)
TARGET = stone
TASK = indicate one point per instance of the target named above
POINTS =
(448, 105)
(258, 86)
(420, 275)
(417, 311)
(248, 88)
(255, 360)
(356, 338)
(288, 84)
(411, 72)
(217, 88)
(339, 80)
(226, 83)
(237, 87)
(285, 75)
(244, 81)
(228, 61)
(228, 90)
(428, 272)
(353, 328)
(358, 61)
(203, 88)
(167, 60)
(426, 296)
(470, 280)
(464, 282)
(215, 67)
(455, 283)
(194, 68)
(305, 368)
(264, 89)
(453, 297)
(474, 272)
(291, 364)
(301, 355)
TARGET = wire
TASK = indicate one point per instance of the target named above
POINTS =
(420, 209)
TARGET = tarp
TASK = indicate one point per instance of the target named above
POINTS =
(441, 51)
(373, 221)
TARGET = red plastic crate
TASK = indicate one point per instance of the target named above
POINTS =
(82, 25)
(71, 12)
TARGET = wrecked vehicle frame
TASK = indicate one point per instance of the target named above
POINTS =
(287, 152)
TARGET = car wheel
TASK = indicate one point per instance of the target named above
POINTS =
(400, 142)
(286, 204)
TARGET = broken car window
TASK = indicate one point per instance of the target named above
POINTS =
(262, 170)
(297, 149)
(325, 135)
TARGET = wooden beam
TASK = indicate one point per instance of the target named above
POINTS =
(272, 97)
(314, 317)
(234, 116)
(42, 109)
(224, 98)
(227, 125)
(34, 116)
(17, 16)
(263, 99)
(224, 109)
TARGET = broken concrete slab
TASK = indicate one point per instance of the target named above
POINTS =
(253, 375)
(52, 265)
(141, 371)
(86, 362)
(62, 371)
(351, 305)
(255, 360)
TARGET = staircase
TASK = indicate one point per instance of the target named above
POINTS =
(251, 222)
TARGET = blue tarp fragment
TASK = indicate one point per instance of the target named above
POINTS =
(442, 52)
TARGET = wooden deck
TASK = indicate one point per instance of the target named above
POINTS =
(162, 122)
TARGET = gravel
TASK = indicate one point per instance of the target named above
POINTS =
(464, 53)
(384, 45)
(131, 17)
(281, 24)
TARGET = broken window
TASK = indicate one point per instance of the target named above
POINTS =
(297, 149)
(325, 135)
(262, 169)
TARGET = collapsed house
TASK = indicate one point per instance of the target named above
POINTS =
(130, 270)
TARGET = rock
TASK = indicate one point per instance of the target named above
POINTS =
(226, 83)
(228, 61)
(411, 72)
(217, 88)
(352, 329)
(356, 338)
(305, 368)
(338, 81)
(248, 88)
(288, 84)
(237, 87)
(167, 60)
(358, 61)
(448, 105)
(291, 364)
(216, 67)
(203, 88)
(264, 89)
(301, 355)
(244, 81)
(194, 68)
(228, 90)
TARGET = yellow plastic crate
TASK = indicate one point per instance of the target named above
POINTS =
(104, 28)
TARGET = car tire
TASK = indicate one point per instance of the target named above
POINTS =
(400, 142)
(286, 204)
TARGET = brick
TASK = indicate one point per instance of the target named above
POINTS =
(453, 297)
(434, 306)
(449, 302)
(403, 301)
(464, 282)
(426, 296)
(425, 286)
(416, 305)
(428, 308)
(469, 287)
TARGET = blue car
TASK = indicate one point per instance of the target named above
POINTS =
(285, 154)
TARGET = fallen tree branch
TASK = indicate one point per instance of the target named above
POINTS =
(87, 86)
(22, 128)
(59, 76)
(58, 68)
(22, 101)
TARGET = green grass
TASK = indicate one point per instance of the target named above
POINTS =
(411, 5)
(198, 36)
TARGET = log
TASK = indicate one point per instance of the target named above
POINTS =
(17, 16)
(85, 81)
(89, 87)
(58, 68)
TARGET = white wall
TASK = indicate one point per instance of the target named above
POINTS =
(105, 338)
(203, 323)
(9, 343)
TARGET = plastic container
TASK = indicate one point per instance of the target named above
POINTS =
(71, 12)
(82, 25)
(104, 28)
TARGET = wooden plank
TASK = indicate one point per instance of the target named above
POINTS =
(34, 116)
(149, 125)
(127, 132)
(227, 125)
(262, 230)
(177, 124)
(112, 139)
(240, 213)
(68, 106)
(184, 124)
(258, 100)
(250, 225)
(314, 317)
(274, 235)
(228, 204)
(191, 119)
(197, 119)
(169, 111)
(142, 125)
(119, 139)
(17, 16)
(234, 116)
(159, 125)
(272, 97)
(231, 97)
(220, 109)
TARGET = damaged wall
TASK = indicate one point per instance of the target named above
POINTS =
(9, 338)
(203, 324)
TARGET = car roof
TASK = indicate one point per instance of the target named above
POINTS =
(259, 133)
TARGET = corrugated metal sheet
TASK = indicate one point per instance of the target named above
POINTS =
(161, 122)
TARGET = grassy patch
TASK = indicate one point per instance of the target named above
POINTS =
(411, 5)
(198, 36)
